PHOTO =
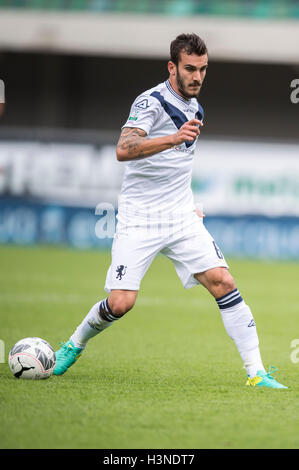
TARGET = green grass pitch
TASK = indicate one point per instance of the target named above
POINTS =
(164, 376)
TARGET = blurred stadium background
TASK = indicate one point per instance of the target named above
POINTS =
(71, 69)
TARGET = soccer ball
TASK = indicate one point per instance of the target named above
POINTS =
(32, 358)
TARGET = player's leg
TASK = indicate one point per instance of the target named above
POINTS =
(198, 259)
(239, 323)
(131, 257)
(102, 315)
(236, 315)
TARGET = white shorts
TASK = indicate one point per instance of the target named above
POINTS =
(191, 248)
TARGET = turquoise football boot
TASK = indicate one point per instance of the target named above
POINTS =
(264, 379)
(66, 356)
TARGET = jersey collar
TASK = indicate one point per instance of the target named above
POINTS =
(174, 93)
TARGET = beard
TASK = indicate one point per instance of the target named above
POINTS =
(183, 88)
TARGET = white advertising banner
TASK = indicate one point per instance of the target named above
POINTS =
(238, 178)
(232, 178)
(69, 174)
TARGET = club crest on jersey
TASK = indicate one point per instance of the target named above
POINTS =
(121, 271)
(143, 104)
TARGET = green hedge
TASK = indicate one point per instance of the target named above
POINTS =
(235, 8)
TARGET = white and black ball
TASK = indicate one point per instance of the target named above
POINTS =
(32, 358)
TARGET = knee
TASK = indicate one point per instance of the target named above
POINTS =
(222, 283)
(226, 283)
(120, 305)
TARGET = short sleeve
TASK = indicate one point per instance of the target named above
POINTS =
(144, 112)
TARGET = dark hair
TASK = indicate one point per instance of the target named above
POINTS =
(189, 43)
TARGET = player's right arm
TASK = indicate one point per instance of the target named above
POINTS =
(134, 143)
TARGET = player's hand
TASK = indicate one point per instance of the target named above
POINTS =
(200, 213)
(189, 131)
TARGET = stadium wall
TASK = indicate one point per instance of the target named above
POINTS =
(65, 92)
(131, 35)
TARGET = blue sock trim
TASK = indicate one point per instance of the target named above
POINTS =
(106, 312)
(229, 300)
(108, 309)
(224, 296)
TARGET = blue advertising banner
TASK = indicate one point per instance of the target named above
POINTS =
(24, 222)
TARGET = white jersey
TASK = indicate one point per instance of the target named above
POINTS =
(161, 183)
(156, 208)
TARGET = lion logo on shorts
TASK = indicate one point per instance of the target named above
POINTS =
(121, 271)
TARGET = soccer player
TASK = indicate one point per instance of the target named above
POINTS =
(157, 213)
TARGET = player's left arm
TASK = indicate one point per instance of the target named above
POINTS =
(134, 144)
(129, 142)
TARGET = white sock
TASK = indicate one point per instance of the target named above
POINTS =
(98, 319)
(240, 326)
